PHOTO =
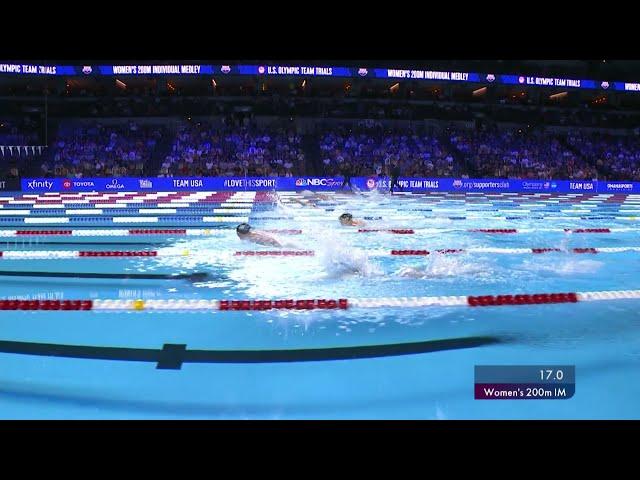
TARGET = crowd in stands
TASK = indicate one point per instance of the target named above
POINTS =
(519, 153)
(369, 149)
(617, 157)
(206, 149)
(97, 150)
(19, 131)
(20, 143)
(237, 146)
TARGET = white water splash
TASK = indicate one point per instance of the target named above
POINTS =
(338, 258)
(444, 266)
(566, 267)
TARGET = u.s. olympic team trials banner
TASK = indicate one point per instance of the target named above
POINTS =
(323, 183)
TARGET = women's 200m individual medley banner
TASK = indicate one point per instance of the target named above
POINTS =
(324, 183)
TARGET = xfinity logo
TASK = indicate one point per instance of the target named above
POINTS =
(34, 184)
(114, 185)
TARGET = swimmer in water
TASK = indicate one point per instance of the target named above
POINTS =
(245, 232)
(347, 220)
(304, 203)
(310, 199)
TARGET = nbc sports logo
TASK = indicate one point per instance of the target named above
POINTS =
(300, 182)
(457, 183)
(66, 184)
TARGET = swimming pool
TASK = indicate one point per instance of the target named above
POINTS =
(190, 360)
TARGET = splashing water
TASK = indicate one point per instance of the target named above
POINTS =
(442, 266)
(338, 258)
(566, 267)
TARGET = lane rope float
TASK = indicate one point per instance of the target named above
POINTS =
(319, 304)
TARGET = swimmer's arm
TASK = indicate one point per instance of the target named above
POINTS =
(265, 240)
(305, 203)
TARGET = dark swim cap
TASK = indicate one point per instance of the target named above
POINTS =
(346, 216)
(243, 228)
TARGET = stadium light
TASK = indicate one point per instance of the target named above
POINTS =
(558, 96)
(479, 91)
(394, 88)
(120, 84)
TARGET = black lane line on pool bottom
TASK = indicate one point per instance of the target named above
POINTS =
(193, 277)
(172, 356)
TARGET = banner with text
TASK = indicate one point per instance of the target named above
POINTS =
(318, 184)
(9, 184)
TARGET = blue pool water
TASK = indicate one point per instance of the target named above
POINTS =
(602, 339)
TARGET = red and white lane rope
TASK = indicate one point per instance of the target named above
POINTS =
(447, 251)
(388, 230)
(114, 232)
(176, 252)
(321, 304)
(61, 255)
(275, 253)
(442, 251)
(565, 230)
(497, 230)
